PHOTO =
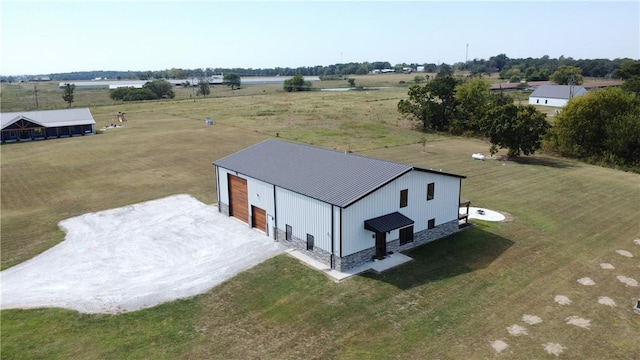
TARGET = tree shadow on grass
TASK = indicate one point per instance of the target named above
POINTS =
(542, 161)
(461, 253)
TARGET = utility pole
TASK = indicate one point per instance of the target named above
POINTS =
(35, 93)
(466, 57)
(572, 82)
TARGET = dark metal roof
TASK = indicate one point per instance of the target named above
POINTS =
(558, 91)
(387, 222)
(331, 176)
(50, 118)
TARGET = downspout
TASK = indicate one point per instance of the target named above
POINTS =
(341, 232)
(217, 185)
(275, 215)
(332, 237)
(459, 197)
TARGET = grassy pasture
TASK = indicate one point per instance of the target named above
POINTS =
(451, 302)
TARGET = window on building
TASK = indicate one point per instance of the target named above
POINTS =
(406, 235)
(309, 242)
(431, 223)
(431, 188)
(289, 234)
(537, 101)
(404, 197)
(545, 101)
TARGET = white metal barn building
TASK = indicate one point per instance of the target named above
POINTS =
(339, 208)
(555, 95)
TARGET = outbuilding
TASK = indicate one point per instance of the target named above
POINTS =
(339, 208)
(555, 95)
(46, 124)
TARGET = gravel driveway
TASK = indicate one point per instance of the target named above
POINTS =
(136, 257)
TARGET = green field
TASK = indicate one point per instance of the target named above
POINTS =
(458, 296)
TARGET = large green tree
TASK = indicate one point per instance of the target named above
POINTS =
(162, 88)
(519, 129)
(231, 79)
(498, 61)
(566, 75)
(132, 94)
(297, 83)
(600, 126)
(444, 70)
(420, 105)
(473, 98)
(536, 74)
(433, 104)
(203, 87)
(629, 71)
(444, 89)
(67, 94)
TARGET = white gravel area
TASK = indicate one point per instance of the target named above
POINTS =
(482, 214)
(136, 257)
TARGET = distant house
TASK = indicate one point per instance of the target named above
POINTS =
(40, 78)
(555, 95)
(46, 124)
(342, 209)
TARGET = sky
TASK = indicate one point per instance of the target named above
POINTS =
(44, 37)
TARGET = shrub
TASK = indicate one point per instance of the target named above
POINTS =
(132, 94)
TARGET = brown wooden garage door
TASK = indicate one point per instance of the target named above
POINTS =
(238, 199)
(259, 218)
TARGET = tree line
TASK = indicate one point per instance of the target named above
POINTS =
(602, 126)
(529, 69)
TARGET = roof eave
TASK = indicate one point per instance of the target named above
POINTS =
(439, 172)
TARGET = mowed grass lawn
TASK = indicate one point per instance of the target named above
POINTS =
(458, 295)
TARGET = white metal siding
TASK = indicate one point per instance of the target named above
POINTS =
(444, 207)
(306, 216)
(550, 102)
(224, 186)
(260, 194)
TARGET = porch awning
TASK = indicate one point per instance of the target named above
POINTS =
(386, 223)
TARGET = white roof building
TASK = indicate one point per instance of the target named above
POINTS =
(555, 95)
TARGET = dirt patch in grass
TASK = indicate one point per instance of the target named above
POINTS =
(627, 280)
(499, 346)
(554, 349)
(562, 300)
(517, 330)
(625, 253)
(607, 266)
(578, 321)
(604, 300)
(586, 281)
(637, 241)
(531, 319)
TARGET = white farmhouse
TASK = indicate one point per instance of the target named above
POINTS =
(339, 208)
(555, 95)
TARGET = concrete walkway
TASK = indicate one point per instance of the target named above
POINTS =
(378, 265)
